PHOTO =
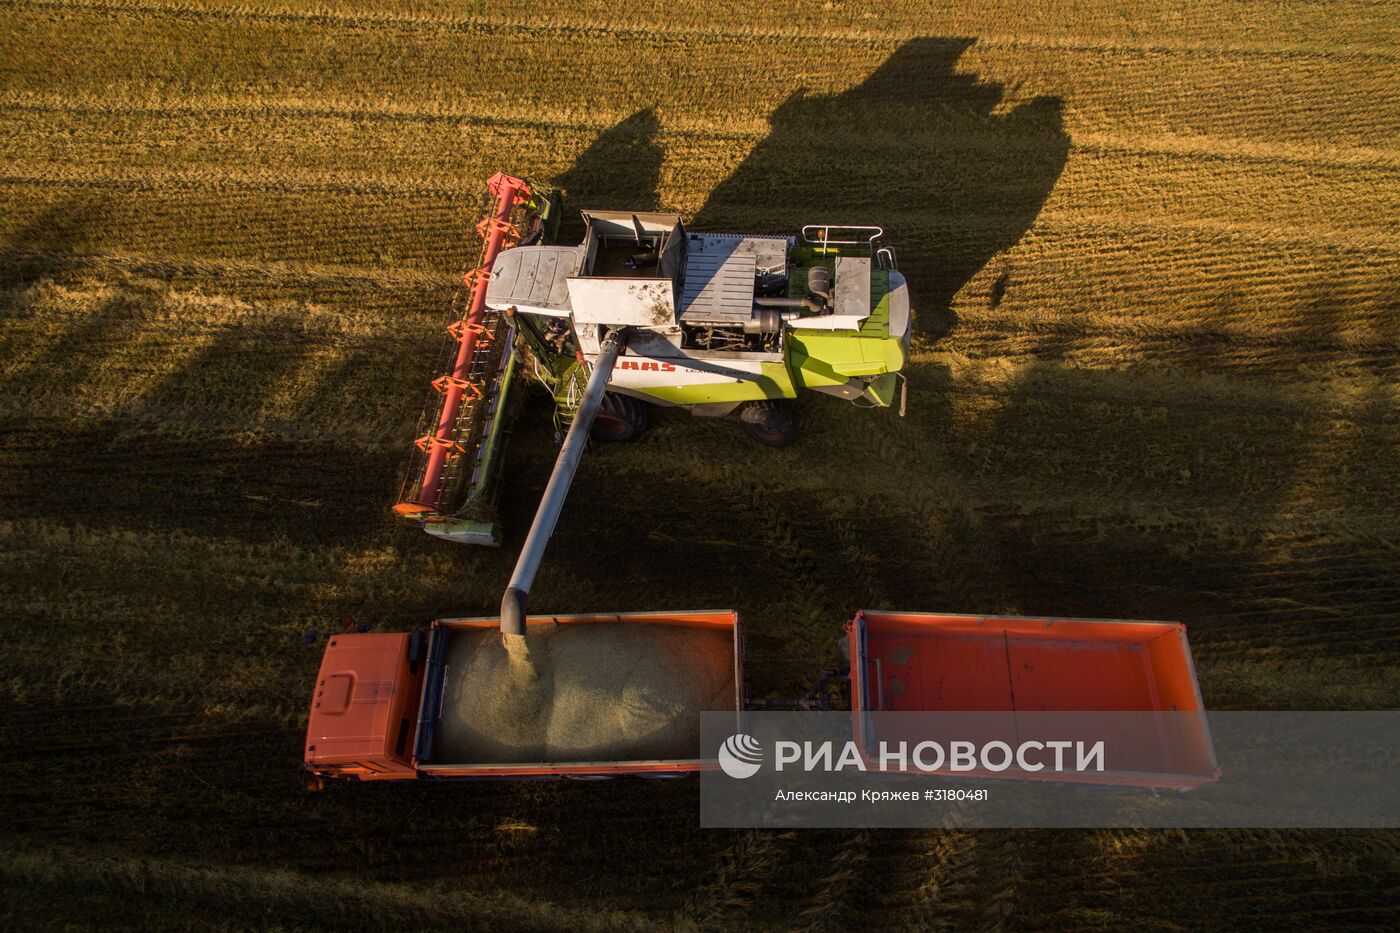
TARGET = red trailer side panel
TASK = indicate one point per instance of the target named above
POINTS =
(962, 663)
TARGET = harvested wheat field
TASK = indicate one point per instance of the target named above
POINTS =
(1154, 249)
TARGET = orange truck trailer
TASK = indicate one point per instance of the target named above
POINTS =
(378, 711)
(379, 714)
(1087, 672)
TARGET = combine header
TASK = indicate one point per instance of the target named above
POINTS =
(645, 312)
(450, 475)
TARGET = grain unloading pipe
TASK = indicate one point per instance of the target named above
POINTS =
(552, 502)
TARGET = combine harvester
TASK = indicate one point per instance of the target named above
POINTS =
(642, 312)
(645, 312)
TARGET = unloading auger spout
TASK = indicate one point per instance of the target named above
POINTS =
(552, 502)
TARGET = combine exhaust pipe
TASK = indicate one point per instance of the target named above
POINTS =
(552, 502)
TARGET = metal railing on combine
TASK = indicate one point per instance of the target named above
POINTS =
(825, 236)
(828, 235)
(462, 408)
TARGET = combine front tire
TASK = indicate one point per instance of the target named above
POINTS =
(770, 423)
(619, 418)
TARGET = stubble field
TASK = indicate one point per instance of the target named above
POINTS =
(1155, 257)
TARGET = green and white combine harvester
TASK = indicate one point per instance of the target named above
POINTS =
(645, 312)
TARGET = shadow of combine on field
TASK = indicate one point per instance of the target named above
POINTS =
(931, 153)
(621, 168)
(1058, 486)
(918, 147)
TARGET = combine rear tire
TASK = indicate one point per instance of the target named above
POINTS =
(619, 418)
(770, 423)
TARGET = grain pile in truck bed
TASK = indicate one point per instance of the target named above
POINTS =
(600, 692)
